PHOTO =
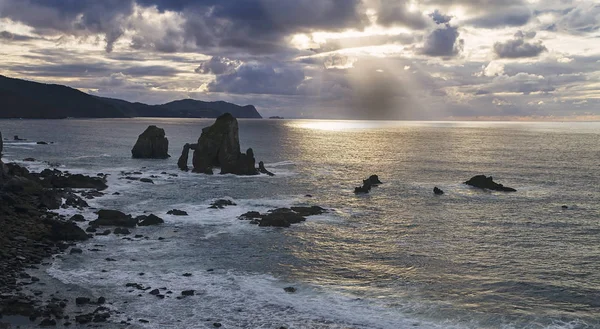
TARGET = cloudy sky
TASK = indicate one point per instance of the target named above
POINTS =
(376, 59)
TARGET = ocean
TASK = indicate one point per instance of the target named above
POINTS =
(399, 257)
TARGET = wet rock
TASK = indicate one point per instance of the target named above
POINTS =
(219, 146)
(289, 289)
(481, 181)
(188, 293)
(365, 188)
(187, 274)
(263, 170)
(221, 203)
(29, 159)
(114, 218)
(281, 217)
(154, 292)
(82, 300)
(48, 323)
(149, 220)
(565, 207)
(217, 325)
(66, 231)
(77, 218)
(75, 251)
(101, 300)
(374, 180)
(146, 180)
(151, 144)
(105, 232)
(437, 191)
(42, 143)
(121, 231)
(309, 211)
(182, 163)
(90, 229)
(177, 212)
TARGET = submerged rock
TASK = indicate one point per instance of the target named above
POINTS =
(149, 220)
(219, 146)
(282, 217)
(437, 191)
(481, 181)
(221, 203)
(151, 144)
(114, 218)
(177, 212)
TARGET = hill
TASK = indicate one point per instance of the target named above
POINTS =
(32, 100)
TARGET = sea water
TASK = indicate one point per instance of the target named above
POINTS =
(398, 257)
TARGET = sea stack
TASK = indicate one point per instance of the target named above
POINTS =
(219, 146)
(481, 181)
(151, 144)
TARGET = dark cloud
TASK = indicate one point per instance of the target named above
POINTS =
(8, 36)
(440, 18)
(260, 78)
(443, 42)
(512, 16)
(396, 12)
(519, 47)
(217, 65)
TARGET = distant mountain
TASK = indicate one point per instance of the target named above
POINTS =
(27, 99)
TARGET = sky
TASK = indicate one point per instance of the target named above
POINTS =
(342, 59)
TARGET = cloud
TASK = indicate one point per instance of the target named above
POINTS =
(259, 78)
(8, 36)
(518, 47)
(396, 12)
(217, 65)
(443, 42)
(440, 18)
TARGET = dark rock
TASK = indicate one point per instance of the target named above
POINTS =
(221, 203)
(58, 179)
(187, 274)
(146, 180)
(66, 231)
(565, 207)
(182, 163)
(309, 211)
(154, 292)
(250, 215)
(217, 325)
(149, 220)
(48, 323)
(84, 318)
(101, 300)
(144, 321)
(219, 146)
(362, 189)
(151, 144)
(437, 191)
(29, 159)
(75, 251)
(114, 218)
(82, 300)
(481, 181)
(122, 231)
(16, 138)
(177, 212)
(282, 217)
(188, 293)
(77, 218)
(42, 143)
(108, 259)
(90, 229)
(290, 289)
(105, 232)
(374, 180)
(263, 170)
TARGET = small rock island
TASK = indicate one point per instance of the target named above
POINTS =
(151, 144)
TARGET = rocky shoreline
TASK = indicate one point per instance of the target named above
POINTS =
(31, 234)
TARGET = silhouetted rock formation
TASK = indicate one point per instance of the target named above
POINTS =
(219, 146)
(282, 217)
(182, 163)
(482, 181)
(373, 180)
(114, 218)
(263, 170)
(1, 144)
(151, 144)
(437, 191)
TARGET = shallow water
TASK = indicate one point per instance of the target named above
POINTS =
(398, 257)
